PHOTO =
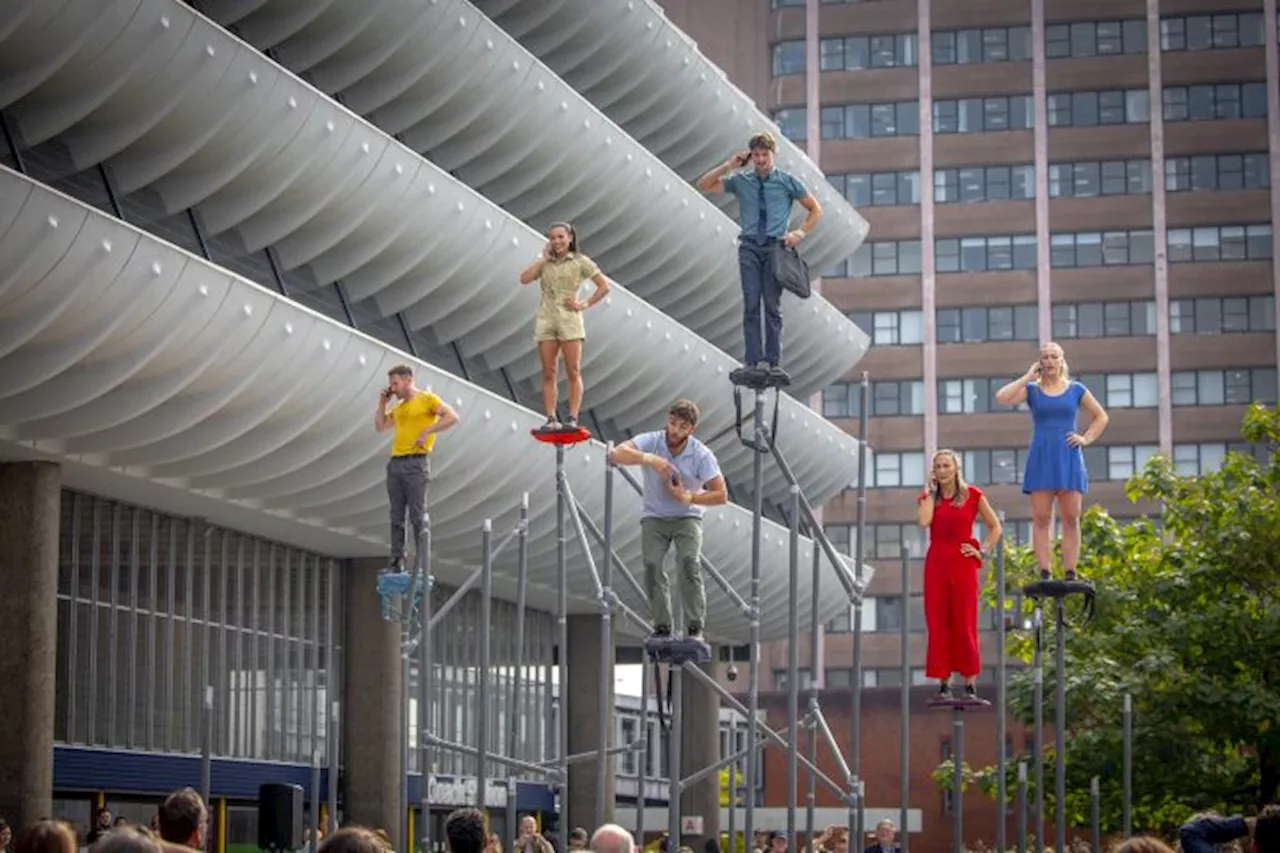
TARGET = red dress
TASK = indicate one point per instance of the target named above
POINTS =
(951, 590)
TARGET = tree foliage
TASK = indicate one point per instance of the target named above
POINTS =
(1188, 624)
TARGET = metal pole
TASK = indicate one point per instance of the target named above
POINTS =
(606, 643)
(206, 746)
(486, 627)
(855, 718)
(426, 680)
(1022, 807)
(1002, 809)
(733, 785)
(1037, 664)
(402, 828)
(904, 756)
(562, 617)
(811, 795)
(1095, 814)
(334, 765)
(1060, 726)
(793, 662)
(1128, 765)
(753, 676)
(315, 799)
(957, 780)
(514, 747)
(674, 673)
(651, 746)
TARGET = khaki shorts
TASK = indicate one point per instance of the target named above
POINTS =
(558, 325)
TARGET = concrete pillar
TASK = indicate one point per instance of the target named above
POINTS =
(699, 748)
(371, 709)
(586, 689)
(30, 505)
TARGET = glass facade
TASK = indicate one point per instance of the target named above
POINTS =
(155, 608)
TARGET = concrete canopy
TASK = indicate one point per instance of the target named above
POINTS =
(514, 131)
(647, 75)
(156, 376)
(175, 104)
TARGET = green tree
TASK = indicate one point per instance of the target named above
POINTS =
(1188, 623)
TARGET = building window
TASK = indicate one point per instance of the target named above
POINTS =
(887, 257)
(788, 58)
(879, 541)
(1208, 32)
(888, 618)
(980, 324)
(867, 121)
(898, 470)
(983, 183)
(977, 254)
(1096, 178)
(627, 736)
(974, 395)
(992, 44)
(841, 624)
(1095, 38)
(1117, 461)
(855, 53)
(1089, 109)
(792, 123)
(1215, 101)
(1104, 319)
(834, 678)
(981, 115)
(891, 328)
(1106, 248)
(1192, 460)
(840, 400)
(878, 189)
(1217, 172)
(1224, 387)
(1217, 314)
(780, 678)
(1003, 466)
(1220, 243)
(897, 398)
(1122, 390)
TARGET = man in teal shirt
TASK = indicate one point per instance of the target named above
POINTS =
(765, 198)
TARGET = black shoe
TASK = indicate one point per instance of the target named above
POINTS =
(778, 376)
(395, 564)
(571, 423)
(1071, 575)
(661, 630)
(1045, 574)
(944, 693)
(551, 424)
(694, 631)
(971, 691)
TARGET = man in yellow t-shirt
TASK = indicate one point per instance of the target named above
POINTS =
(416, 416)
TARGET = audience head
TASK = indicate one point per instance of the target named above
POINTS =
(183, 818)
(1266, 830)
(127, 840)
(578, 839)
(611, 838)
(43, 836)
(465, 831)
(1142, 844)
(353, 839)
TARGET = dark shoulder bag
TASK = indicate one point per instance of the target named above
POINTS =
(790, 270)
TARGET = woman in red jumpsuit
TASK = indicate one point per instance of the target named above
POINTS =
(948, 508)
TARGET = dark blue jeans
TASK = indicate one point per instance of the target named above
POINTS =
(755, 263)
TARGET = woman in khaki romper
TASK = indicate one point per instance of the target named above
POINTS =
(558, 328)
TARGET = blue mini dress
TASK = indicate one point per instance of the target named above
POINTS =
(1052, 464)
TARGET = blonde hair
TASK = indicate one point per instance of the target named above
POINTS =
(962, 488)
(1066, 370)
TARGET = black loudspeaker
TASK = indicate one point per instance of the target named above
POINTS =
(279, 817)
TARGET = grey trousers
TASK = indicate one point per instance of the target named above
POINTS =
(407, 478)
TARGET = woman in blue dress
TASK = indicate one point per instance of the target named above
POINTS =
(1055, 459)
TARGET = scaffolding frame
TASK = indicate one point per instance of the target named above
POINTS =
(419, 620)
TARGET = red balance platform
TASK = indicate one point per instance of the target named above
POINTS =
(563, 435)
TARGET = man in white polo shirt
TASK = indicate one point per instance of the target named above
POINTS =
(681, 479)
